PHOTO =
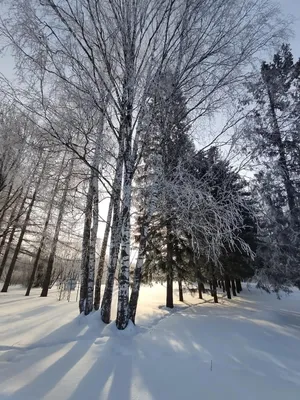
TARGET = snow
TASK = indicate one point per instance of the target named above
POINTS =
(246, 348)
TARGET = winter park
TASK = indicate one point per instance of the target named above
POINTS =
(149, 199)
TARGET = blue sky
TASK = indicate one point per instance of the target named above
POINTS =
(292, 8)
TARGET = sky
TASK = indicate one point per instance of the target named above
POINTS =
(292, 8)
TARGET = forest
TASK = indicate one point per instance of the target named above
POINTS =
(148, 141)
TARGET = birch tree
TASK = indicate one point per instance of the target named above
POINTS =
(101, 263)
(90, 230)
(122, 47)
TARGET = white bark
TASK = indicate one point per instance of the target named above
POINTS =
(92, 246)
(123, 294)
(102, 256)
(114, 241)
(91, 228)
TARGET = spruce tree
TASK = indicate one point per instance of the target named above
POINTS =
(271, 137)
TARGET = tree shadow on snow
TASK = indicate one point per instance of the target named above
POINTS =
(80, 334)
(194, 348)
(110, 374)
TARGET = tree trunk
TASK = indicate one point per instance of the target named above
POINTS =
(114, 241)
(136, 284)
(7, 250)
(92, 247)
(102, 257)
(39, 276)
(5, 206)
(215, 292)
(233, 287)
(90, 232)
(138, 274)
(239, 285)
(43, 238)
(200, 285)
(141, 254)
(169, 299)
(12, 219)
(223, 286)
(200, 290)
(85, 250)
(180, 290)
(123, 293)
(47, 277)
(227, 287)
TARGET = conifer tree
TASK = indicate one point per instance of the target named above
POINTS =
(271, 137)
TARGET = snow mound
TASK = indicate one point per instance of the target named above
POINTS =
(111, 330)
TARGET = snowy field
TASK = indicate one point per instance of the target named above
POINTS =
(248, 348)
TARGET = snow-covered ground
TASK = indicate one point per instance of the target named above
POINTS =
(248, 348)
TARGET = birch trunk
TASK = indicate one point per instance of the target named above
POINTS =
(102, 257)
(43, 238)
(92, 246)
(123, 293)
(47, 278)
(85, 250)
(90, 233)
(114, 240)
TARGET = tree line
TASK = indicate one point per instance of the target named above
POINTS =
(111, 101)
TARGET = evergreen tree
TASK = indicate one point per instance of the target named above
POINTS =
(234, 261)
(272, 138)
(166, 144)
